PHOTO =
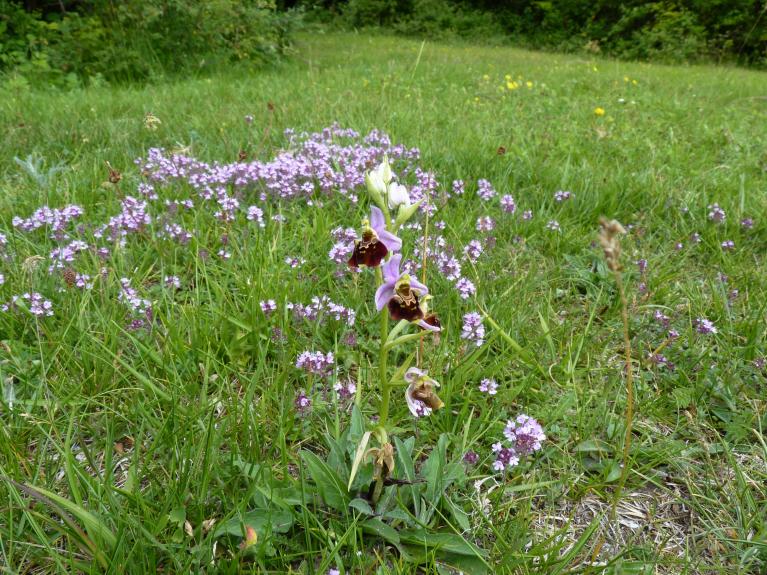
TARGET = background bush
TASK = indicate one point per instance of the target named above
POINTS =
(669, 30)
(70, 42)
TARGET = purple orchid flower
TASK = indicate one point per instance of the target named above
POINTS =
(376, 242)
(401, 293)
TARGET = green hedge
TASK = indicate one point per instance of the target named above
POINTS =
(666, 30)
(130, 40)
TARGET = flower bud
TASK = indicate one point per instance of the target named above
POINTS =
(405, 213)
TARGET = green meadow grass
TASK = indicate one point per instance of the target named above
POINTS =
(212, 390)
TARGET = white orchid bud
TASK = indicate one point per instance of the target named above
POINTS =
(376, 189)
(398, 196)
(385, 169)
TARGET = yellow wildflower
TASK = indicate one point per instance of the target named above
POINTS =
(599, 111)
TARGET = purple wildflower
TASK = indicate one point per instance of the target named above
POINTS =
(458, 187)
(716, 214)
(508, 205)
(562, 196)
(485, 224)
(728, 245)
(268, 306)
(172, 282)
(472, 329)
(473, 250)
(485, 190)
(471, 457)
(256, 214)
(488, 386)
(553, 225)
(527, 215)
(340, 252)
(505, 457)
(747, 223)
(465, 288)
(661, 318)
(525, 433)
(302, 402)
(316, 363)
(705, 326)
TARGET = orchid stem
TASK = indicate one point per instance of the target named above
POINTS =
(383, 360)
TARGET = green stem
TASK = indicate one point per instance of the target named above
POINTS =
(383, 358)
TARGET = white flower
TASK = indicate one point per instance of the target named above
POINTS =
(398, 196)
(420, 397)
(380, 177)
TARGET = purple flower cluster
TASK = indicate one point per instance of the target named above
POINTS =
(473, 330)
(55, 219)
(256, 214)
(465, 288)
(66, 254)
(316, 363)
(473, 250)
(704, 326)
(133, 218)
(485, 190)
(488, 386)
(716, 214)
(268, 306)
(331, 161)
(320, 308)
(140, 308)
(562, 196)
(524, 436)
(35, 303)
(344, 244)
(525, 433)
(508, 205)
(485, 224)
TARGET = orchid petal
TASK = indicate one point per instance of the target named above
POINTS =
(418, 286)
(391, 269)
(377, 221)
(392, 242)
(383, 294)
(413, 373)
(412, 404)
(428, 327)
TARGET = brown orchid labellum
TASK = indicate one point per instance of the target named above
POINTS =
(376, 242)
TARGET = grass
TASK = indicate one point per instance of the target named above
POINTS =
(121, 444)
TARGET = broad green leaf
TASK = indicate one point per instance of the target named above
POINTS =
(329, 484)
(262, 520)
(448, 542)
(362, 506)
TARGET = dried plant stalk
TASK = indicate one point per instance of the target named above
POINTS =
(609, 237)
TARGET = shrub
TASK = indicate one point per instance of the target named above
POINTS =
(658, 31)
(136, 39)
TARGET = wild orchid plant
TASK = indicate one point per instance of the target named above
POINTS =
(402, 298)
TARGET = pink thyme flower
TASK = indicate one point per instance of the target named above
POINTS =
(488, 386)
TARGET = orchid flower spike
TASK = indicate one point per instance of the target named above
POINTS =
(376, 242)
(400, 292)
(420, 396)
